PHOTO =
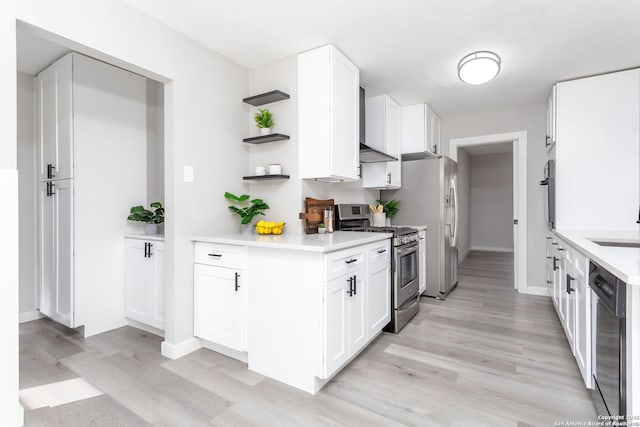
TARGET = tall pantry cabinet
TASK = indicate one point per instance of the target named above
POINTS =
(92, 134)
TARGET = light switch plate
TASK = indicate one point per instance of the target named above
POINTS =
(188, 173)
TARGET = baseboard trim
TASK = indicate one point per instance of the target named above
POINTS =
(176, 351)
(28, 316)
(537, 290)
(490, 249)
(464, 254)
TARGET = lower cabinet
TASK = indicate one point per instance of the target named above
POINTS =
(144, 285)
(219, 307)
(567, 270)
(219, 294)
(378, 297)
(344, 314)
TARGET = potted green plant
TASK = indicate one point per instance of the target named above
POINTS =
(321, 229)
(248, 209)
(390, 208)
(151, 217)
(264, 120)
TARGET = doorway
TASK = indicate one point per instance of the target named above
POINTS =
(518, 142)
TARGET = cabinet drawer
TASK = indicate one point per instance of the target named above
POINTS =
(379, 252)
(220, 255)
(344, 262)
(582, 264)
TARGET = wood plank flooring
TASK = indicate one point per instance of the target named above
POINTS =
(486, 356)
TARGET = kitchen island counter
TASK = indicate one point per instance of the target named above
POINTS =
(321, 243)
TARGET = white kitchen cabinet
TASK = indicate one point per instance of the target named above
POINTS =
(420, 132)
(422, 260)
(550, 138)
(57, 296)
(55, 124)
(378, 296)
(218, 305)
(582, 334)
(572, 299)
(597, 152)
(219, 295)
(328, 115)
(90, 117)
(144, 284)
(383, 129)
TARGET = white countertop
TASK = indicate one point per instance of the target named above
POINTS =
(623, 262)
(321, 243)
(152, 237)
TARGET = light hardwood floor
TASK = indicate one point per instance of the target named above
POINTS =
(486, 356)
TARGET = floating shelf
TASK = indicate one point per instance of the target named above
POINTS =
(266, 98)
(266, 138)
(264, 177)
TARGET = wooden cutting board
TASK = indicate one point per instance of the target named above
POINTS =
(314, 213)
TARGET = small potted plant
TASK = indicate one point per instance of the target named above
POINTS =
(264, 120)
(151, 217)
(246, 213)
(390, 208)
(321, 228)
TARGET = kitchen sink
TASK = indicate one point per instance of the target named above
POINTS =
(617, 244)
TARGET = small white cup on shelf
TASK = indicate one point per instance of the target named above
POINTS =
(261, 170)
(275, 169)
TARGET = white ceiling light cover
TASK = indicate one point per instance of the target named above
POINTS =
(479, 67)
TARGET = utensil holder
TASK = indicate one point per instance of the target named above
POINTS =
(378, 219)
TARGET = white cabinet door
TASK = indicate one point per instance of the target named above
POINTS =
(357, 313)
(561, 293)
(570, 313)
(378, 297)
(144, 286)
(384, 133)
(422, 261)
(582, 348)
(328, 115)
(218, 305)
(55, 120)
(56, 251)
(335, 333)
(549, 267)
(420, 130)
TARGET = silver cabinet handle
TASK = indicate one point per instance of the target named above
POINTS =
(216, 255)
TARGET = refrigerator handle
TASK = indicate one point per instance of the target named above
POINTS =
(454, 213)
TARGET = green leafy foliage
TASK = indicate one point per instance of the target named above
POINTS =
(263, 118)
(154, 215)
(247, 213)
(389, 207)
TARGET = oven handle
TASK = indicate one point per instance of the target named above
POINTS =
(402, 250)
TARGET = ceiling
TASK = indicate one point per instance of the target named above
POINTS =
(410, 48)
(484, 149)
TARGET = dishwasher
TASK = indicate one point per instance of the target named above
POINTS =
(609, 341)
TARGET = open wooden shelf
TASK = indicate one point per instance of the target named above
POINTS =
(266, 138)
(264, 177)
(266, 98)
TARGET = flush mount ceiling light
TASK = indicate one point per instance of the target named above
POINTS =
(479, 67)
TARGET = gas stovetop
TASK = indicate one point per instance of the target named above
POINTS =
(397, 231)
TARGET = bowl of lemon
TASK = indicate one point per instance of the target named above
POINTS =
(269, 227)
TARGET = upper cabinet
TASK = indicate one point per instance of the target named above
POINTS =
(383, 125)
(550, 138)
(328, 115)
(420, 132)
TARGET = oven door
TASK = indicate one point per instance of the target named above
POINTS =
(406, 281)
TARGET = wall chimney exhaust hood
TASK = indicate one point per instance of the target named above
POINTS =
(368, 154)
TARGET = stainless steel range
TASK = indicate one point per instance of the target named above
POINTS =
(404, 262)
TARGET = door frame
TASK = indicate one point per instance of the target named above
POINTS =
(519, 140)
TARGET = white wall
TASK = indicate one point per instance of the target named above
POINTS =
(286, 198)
(492, 202)
(28, 191)
(464, 203)
(155, 141)
(531, 118)
(204, 119)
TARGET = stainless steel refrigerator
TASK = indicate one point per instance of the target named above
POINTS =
(429, 196)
